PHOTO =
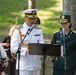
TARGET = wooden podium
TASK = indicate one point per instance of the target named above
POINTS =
(44, 49)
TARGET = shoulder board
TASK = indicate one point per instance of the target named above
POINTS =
(19, 27)
(56, 31)
(36, 27)
(73, 31)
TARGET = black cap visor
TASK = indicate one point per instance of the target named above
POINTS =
(63, 21)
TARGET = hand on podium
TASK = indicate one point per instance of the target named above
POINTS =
(27, 50)
(53, 58)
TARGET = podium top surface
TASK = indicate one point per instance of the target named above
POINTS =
(44, 49)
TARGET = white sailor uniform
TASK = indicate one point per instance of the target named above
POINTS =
(31, 63)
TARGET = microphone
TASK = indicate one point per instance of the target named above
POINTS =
(63, 31)
(28, 31)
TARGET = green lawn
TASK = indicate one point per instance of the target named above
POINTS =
(49, 12)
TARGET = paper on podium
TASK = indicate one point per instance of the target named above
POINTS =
(47, 49)
(61, 51)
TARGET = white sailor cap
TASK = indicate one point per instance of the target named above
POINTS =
(31, 13)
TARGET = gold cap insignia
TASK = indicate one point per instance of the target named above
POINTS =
(33, 12)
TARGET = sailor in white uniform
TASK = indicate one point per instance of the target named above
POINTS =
(29, 64)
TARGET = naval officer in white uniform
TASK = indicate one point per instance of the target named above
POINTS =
(29, 64)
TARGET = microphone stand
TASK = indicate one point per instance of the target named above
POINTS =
(18, 52)
(44, 58)
(64, 52)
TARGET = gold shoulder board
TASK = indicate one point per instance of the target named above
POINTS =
(74, 31)
(37, 27)
(19, 27)
(56, 31)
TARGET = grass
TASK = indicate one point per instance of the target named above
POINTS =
(49, 12)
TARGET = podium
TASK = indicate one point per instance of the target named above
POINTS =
(44, 49)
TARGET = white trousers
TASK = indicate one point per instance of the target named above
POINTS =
(29, 72)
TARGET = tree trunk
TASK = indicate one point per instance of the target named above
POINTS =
(69, 7)
(31, 4)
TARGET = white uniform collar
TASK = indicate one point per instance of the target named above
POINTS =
(67, 32)
(26, 26)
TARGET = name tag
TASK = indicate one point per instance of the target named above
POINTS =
(37, 35)
(58, 41)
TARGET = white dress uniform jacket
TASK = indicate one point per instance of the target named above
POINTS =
(27, 62)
